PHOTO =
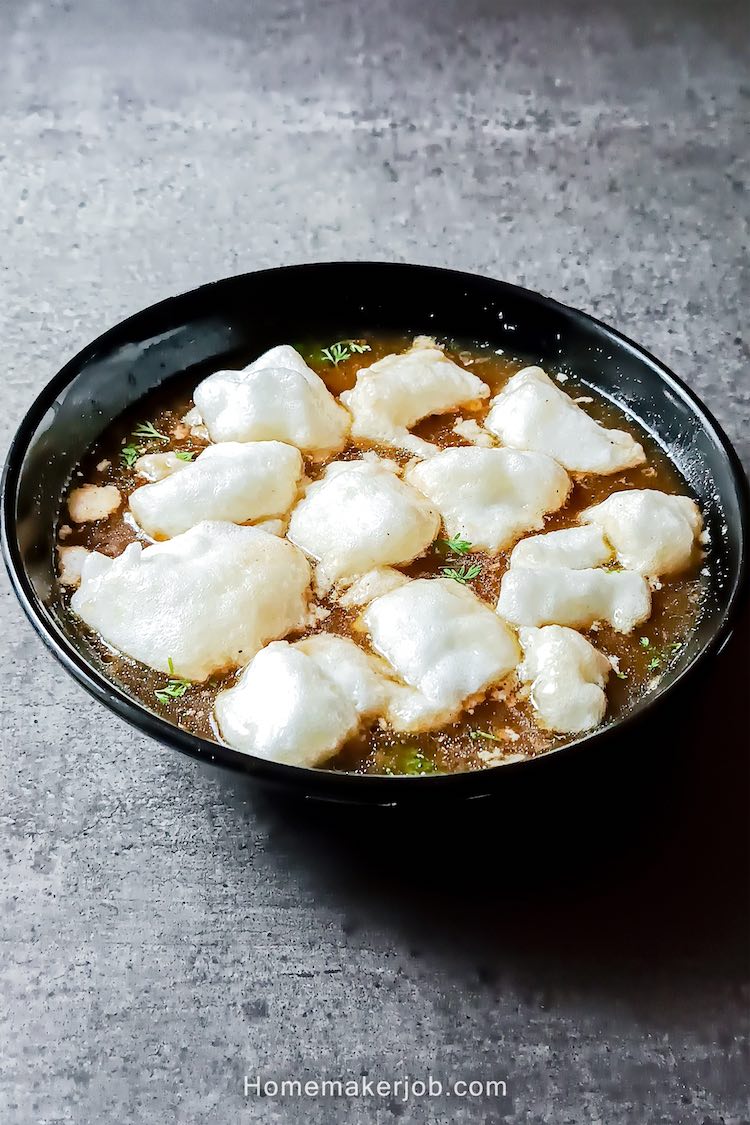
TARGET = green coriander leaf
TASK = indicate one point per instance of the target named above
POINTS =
(457, 546)
(174, 688)
(620, 675)
(148, 430)
(415, 762)
(185, 455)
(463, 574)
(485, 734)
(129, 454)
(342, 350)
(336, 354)
(661, 658)
(644, 642)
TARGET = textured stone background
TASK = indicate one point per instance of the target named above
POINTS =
(165, 931)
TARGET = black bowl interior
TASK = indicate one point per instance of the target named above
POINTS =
(231, 320)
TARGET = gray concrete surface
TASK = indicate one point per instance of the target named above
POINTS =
(166, 932)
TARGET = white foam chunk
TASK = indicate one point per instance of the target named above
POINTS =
(531, 412)
(372, 585)
(157, 466)
(361, 677)
(396, 392)
(567, 675)
(92, 502)
(358, 516)
(299, 703)
(577, 598)
(444, 643)
(273, 527)
(491, 496)
(208, 599)
(234, 481)
(194, 423)
(652, 532)
(70, 563)
(577, 548)
(286, 709)
(470, 430)
(277, 397)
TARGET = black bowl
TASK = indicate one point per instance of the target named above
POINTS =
(217, 323)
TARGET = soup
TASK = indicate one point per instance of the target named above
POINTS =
(464, 650)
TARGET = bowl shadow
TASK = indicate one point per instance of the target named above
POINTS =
(632, 878)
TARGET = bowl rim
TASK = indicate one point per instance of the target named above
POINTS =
(321, 783)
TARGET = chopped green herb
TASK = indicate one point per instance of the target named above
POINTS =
(184, 455)
(129, 454)
(175, 687)
(148, 430)
(463, 574)
(485, 734)
(457, 546)
(415, 762)
(342, 350)
(662, 657)
(336, 354)
(645, 642)
(620, 675)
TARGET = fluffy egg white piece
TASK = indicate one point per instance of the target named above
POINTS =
(157, 466)
(299, 703)
(652, 532)
(394, 393)
(531, 412)
(444, 643)
(208, 599)
(284, 708)
(567, 675)
(577, 548)
(491, 496)
(359, 516)
(372, 585)
(276, 398)
(363, 678)
(70, 565)
(577, 598)
(92, 502)
(470, 430)
(236, 481)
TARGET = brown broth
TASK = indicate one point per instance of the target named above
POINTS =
(505, 714)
